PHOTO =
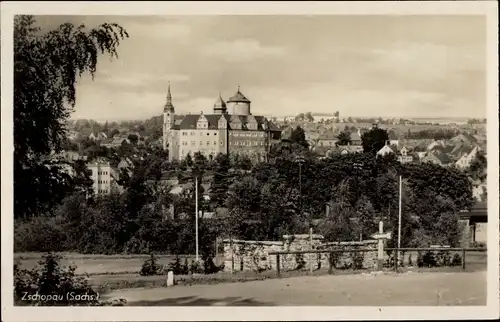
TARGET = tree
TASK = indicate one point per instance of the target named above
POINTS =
(478, 167)
(82, 180)
(221, 181)
(374, 140)
(308, 116)
(300, 117)
(298, 136)
(113, 133)
(133, 138)
(344, 138)
(105, 128)
(200, 161)
(46, 68)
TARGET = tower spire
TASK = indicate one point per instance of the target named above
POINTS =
(169, 95)
(168, 105)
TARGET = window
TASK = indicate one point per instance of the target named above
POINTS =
(208, 133)
(193, 142)
(215, 142)
(208, 142)
(201, 143)
(215, 133)
(221, 142)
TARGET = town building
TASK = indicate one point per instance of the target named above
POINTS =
(104, 176)
(231, 128)
(465, 161)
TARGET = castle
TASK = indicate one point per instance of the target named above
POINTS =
(230, 129)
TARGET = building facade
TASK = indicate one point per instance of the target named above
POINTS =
(104, 177)
(231, 128)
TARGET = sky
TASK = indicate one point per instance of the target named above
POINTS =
(388, 66)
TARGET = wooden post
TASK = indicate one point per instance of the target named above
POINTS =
(396, 251)
(217, 251)
(278, 265)
(380, 255)
(330, 261)
(311, 247)
(463, 259)
(232, 254)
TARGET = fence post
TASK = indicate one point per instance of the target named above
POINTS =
(396, 255)
(278, 265)
(217, 251)
(463, 259)
(330, 263)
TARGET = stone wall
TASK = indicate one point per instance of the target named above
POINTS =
(245, 255)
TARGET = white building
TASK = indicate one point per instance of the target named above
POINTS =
(104, 177)
(465, 161)
(385, 150)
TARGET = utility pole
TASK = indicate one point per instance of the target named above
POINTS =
(399, 217)
(196, 215)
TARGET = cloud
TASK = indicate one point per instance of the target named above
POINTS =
(426, 61)
(136, 81)
(158, 29)
(241, 50)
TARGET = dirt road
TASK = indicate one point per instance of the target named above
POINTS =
(371, 290)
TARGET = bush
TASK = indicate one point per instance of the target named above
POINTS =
(196, 268)
(299, 259)
(427, 260)
(50, 284)
(477, 244)
(151, 267)
(456, 260)
(175, 266)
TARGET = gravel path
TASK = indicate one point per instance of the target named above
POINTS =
(371, 290)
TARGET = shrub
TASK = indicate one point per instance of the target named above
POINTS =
(196, 268)
(185, 267)
(477, 244)
(176, 266)
(299, 259)
(456, 260)
(151, 267)
(50, 284)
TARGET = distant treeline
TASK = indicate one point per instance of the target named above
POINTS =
(437, 134)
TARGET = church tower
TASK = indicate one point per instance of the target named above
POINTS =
(220, 106)
(168, 121)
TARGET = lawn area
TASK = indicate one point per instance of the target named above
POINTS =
(96, 264)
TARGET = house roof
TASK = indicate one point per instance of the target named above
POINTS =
(327, 136)
(393, 135)
(355, 136)
(189, 121)
(444, 158)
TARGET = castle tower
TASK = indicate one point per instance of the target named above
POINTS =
(220, 106)
(239, 104)
(168, 119)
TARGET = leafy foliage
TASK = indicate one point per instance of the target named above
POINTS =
(374, 140)
(344, 138)
(50, 284)
(151, 267)
(46, 68)
(298, 137)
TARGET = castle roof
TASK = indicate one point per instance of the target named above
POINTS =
(189, 122)
(238, 98)
(220, 104)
